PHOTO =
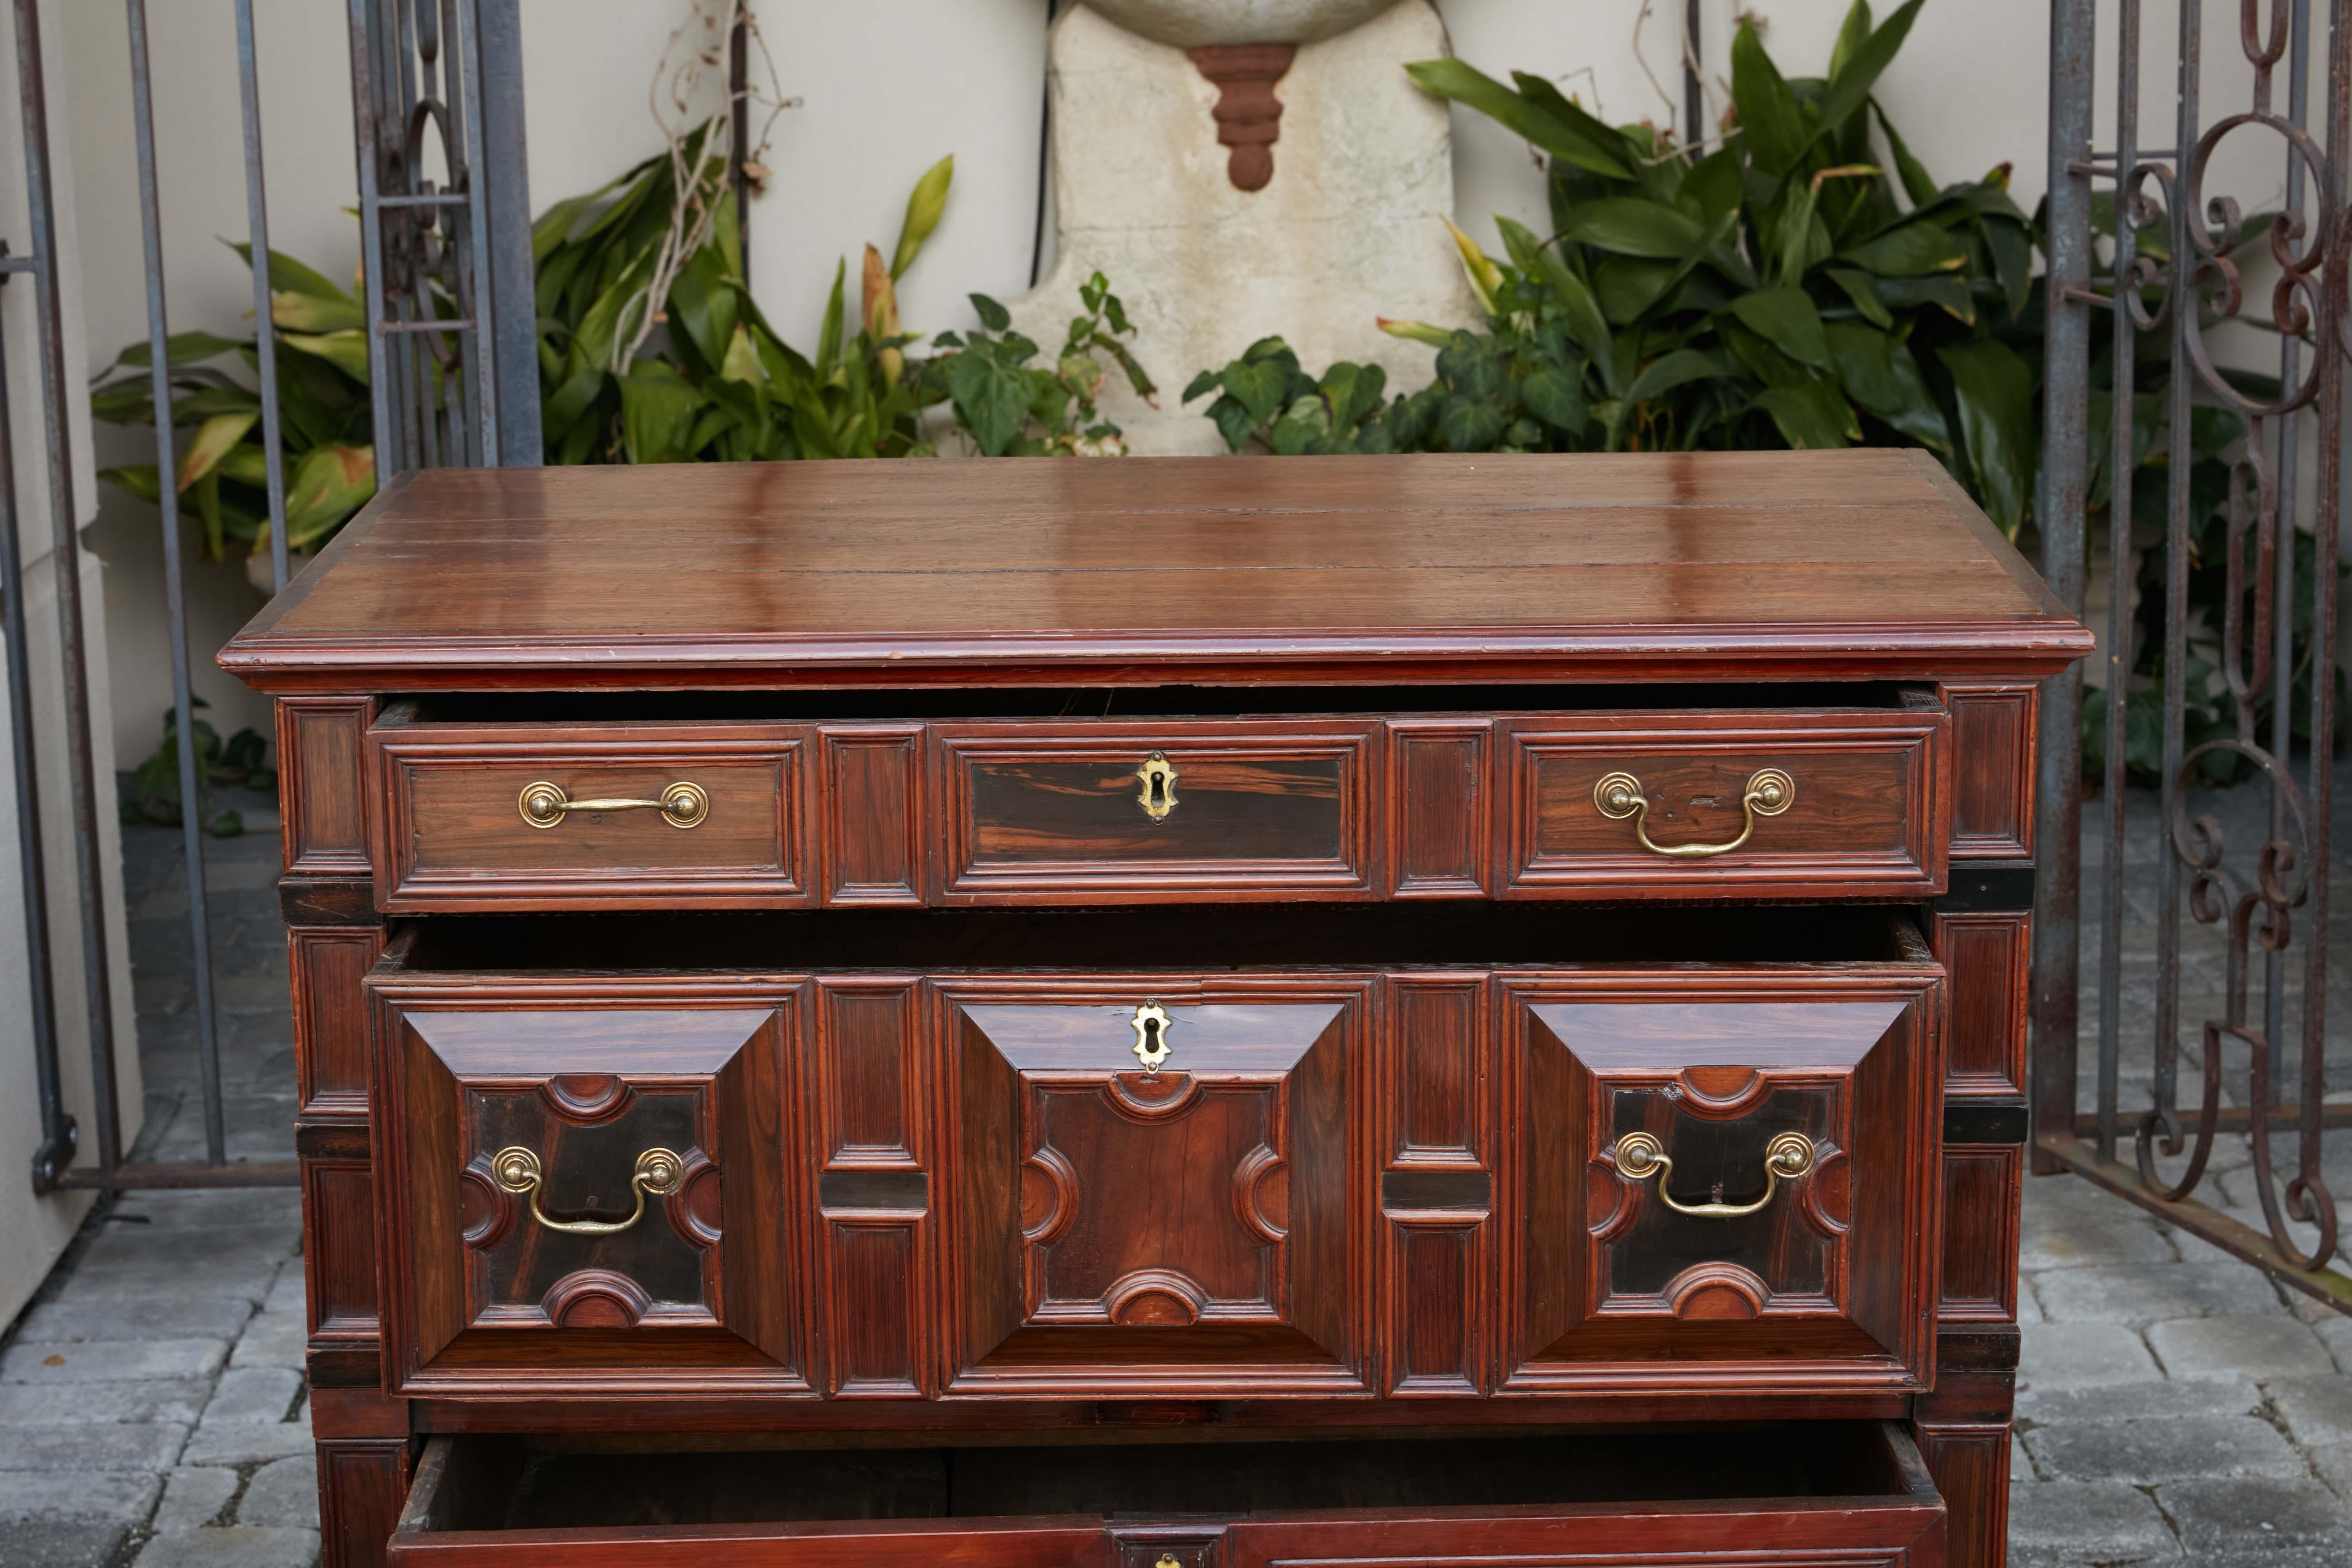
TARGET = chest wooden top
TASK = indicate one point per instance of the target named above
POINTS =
(1861, 563)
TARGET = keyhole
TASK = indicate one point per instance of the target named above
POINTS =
(1151, 1037)
(1159, 790)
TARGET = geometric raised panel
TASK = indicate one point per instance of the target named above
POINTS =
(1164, 1222)
(1722, 1177)
(583, 1196)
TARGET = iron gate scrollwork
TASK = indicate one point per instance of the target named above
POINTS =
(2176, 277)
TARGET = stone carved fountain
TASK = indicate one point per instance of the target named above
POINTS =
(1244, 167)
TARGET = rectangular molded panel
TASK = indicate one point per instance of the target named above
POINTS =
(1987, 953)
(1439, 808)
(870, 1092)
(1981, 1233)
(876, 825)
(1057, 813)
(321, 785)
(1867, 813)
(1993, 771)
(330, 967)
(454, 835)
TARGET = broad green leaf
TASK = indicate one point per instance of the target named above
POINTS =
(742, 361)
(993, 316)
(1851, 81)
(1669, 371)
(924, 206)
(1994, 390)
(1627, 286)
(1632, 226)
(287, 276)
(1458, 80)
(1913, 250)
(1858, 289)
(1851, 34)
(180, 348)
(2013, 260)
(1769, 113)
(329, 485)
(1545, 97)
(1712, 186)
(1586, 324)
(310, 313)
(1787, 317)
(213, 437)
(992, 397)
(245, 463)
(136, 479)
(1207, 380)
(1812, 417)
(702, 305)
(1259, 386)
(1879, 373)
(1353, 393)
(828, 337)
(657, 413)
(1952, 294)
(1918, 183)
(347, 351)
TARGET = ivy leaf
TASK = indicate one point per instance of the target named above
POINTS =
(1469, 425)
(993, 316)
(1556, 397)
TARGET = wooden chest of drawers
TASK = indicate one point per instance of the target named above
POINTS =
(1183, 1014)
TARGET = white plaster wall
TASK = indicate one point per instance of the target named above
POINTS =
(33, 1231)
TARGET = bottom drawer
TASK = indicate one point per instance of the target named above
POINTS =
(1806, 1496)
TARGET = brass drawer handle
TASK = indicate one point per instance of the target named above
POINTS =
(1638, 1156)
(1158, 776)
(543, 804)
(1770, 793)
(658, 1172)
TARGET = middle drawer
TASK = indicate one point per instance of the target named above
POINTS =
(1441, 1180)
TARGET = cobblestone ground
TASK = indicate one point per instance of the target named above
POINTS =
(2173, 1408)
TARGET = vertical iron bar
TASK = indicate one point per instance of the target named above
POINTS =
(66, 564)
(2281, 586)
(58, 1132)
(2119, 578)
(365, 111)
(256, 218)
(473, 267)
(506, 300)
(2058, 808)
(151, 224)
(2182, 387)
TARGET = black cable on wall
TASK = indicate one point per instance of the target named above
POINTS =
(1045, 150)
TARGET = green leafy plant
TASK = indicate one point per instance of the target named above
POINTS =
(1009, 407)
(324, 431)
(1784, 290)
(153, 795)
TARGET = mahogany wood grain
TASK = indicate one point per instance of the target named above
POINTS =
(322, 802)
(1439, 808)
(1054, 811)
(1869, 813)
(994, 572)
(450, 835)
(362, 1485)
(329, 967)
(480, 1298)
(1970, 1464)
(1993, 771)
(1982, 1185)
(1830, 1284)
(1988, 954)
(1436, 1116)
(339, 1249)
(876, 826)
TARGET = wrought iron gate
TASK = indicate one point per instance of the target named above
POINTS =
(437, 86)
(2188, 266)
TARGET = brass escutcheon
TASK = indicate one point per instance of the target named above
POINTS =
(517, 1169)
(1157, 796)
(1770, 793)
(1639, 1155)
(544, 805)
(1151, 1024)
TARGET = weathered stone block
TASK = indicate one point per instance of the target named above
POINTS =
(2258, 1348)
(193, 1498)
(2237, 1447)
(236, 1547)
(2141, 1294)
(2216, 1515)
(111, 1360)
(150, 1445)
(253, 1397)
(282, 1495)
(2087, 1523)
(2082, 1355)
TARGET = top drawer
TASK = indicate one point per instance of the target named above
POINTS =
(1678, 803)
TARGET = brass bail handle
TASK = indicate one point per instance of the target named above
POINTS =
(659, 1172)
(1158, 777)
(543, 804)
(1770, 793)
(1639, 1155)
